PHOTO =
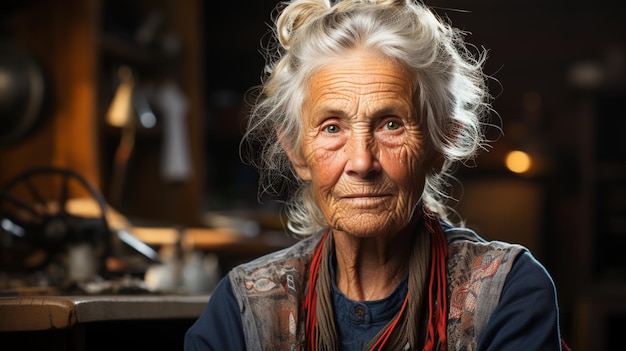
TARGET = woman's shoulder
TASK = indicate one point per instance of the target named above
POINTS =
(465, 241)
(469, 251)
(485, 276)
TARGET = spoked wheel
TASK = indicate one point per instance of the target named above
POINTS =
(39, 217)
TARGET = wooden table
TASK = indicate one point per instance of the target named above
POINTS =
(126, 322)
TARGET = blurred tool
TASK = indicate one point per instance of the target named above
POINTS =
(39, 228)
(175, 160)
(129, 110)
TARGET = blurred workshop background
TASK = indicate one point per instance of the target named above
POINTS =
(120, 123)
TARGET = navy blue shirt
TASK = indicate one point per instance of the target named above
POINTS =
(526, 317)
(358, 322)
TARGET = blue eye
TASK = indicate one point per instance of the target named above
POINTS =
(331, 129)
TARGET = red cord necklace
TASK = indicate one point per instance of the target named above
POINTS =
(437, 320)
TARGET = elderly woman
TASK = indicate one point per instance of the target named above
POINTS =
(366, 106)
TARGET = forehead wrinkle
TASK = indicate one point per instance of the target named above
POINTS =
(345, 90)
(337, 103)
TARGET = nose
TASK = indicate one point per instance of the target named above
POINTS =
(362, 160)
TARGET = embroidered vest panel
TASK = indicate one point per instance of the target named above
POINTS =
(270, 291)
(476, 274)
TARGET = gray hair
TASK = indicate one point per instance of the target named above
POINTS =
(450, 91)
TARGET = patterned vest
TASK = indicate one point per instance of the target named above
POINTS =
(270, 291)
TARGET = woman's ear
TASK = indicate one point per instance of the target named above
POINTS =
(299, 164)
(298, 161)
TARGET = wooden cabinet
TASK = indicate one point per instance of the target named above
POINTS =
(62, 36)
(80, 50)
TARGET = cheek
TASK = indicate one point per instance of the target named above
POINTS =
(405, 164)
(326, 168)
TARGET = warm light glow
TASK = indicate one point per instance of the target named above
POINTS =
(518, 161)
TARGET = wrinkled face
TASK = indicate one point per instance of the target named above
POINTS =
(363, 149)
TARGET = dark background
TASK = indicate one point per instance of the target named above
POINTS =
(558, 73)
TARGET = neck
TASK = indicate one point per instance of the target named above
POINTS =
(371, 268)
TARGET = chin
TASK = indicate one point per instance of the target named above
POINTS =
(369, 226)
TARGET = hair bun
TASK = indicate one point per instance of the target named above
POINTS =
(297, 14)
